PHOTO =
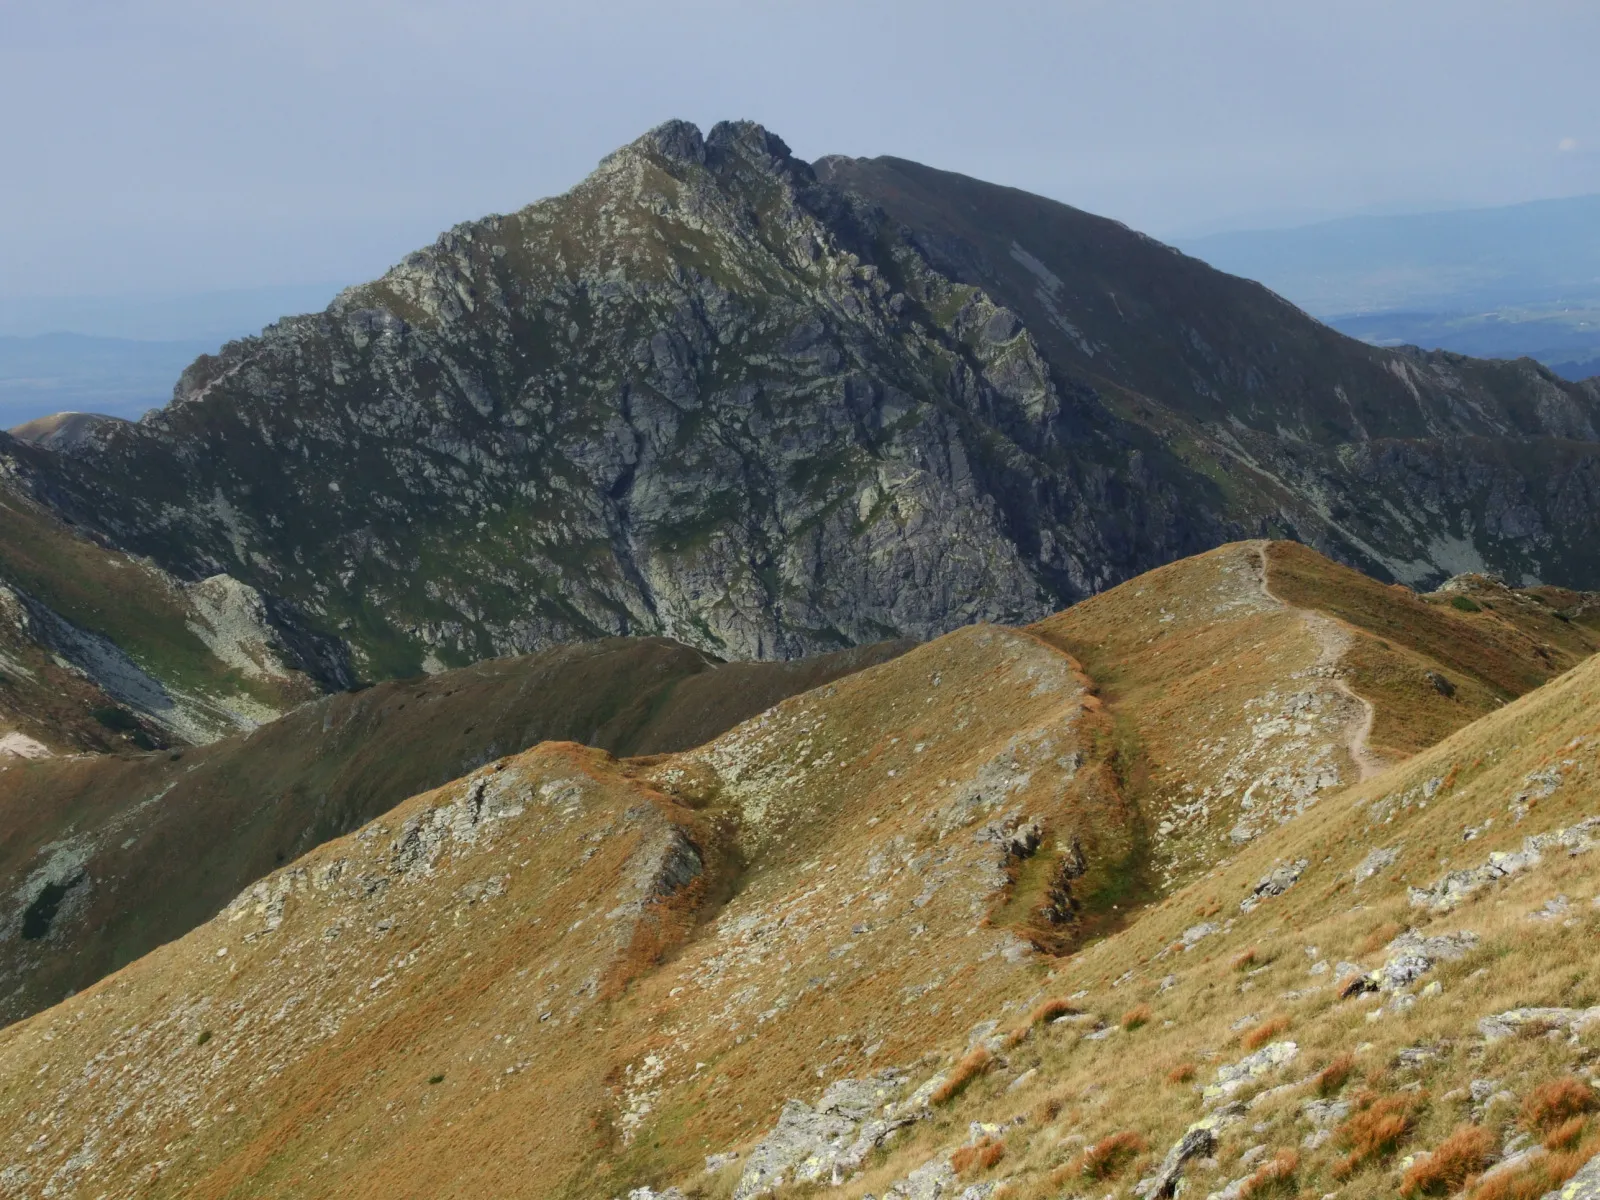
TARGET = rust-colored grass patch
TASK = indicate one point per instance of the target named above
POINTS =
(1557, 1101)
(980, 1156)
(1275, 1177)
(1182, 1073)
(974, 1064)
(1380, 937)
(1263, 1033)
(1374, 1131)
(1104, 1159)
(1467, 1151)
(1333, 1076)
(1136, 1016)
(1539, 1177)
(1566, 1135)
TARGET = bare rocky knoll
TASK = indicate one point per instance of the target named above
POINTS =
(899, 935)
(105, 857)
(767, 409)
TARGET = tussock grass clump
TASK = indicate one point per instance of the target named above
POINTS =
(1333, 1076)
(976, 1062)
(1104, 1159)
(1566, 1135)
(1049, 1109)
(1263, 1033)
(1466, 1152)
(1275, 1177)
(1557, 1101)
(1243, 961)
(1136, 1016)
(1044, 1012)
(1375, 1130)
(980, 1156)
(1182, 1073)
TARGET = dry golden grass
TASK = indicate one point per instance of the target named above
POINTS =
(1489, 655)
(1466, 1152)
(811, 855)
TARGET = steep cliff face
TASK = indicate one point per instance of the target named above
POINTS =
(768, 410)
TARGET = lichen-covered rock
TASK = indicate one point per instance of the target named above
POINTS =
(1585, 1185)
(1513, 1021)
(1232, 1077)
(933, 1180)
(1408, 958)
(1198, 1141)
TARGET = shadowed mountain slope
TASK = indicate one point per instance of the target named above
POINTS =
(717, 394)
(891, 937)
(104, 858)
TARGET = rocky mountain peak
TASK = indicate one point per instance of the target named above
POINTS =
(710, 395)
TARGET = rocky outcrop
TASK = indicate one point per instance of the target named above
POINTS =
(828, 1142)
(1455, 886)
(1408, 958)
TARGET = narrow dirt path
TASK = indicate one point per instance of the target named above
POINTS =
(1332, 641)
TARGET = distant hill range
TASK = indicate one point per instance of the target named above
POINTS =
(1523, 279)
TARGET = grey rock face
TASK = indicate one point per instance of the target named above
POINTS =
(1232, 1077)
(715, 393)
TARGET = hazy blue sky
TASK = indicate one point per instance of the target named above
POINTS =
(153, 145)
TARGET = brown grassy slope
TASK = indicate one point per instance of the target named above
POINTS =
(1228, 702)
(1411, 1057)
(158, 843)
(855, 839)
